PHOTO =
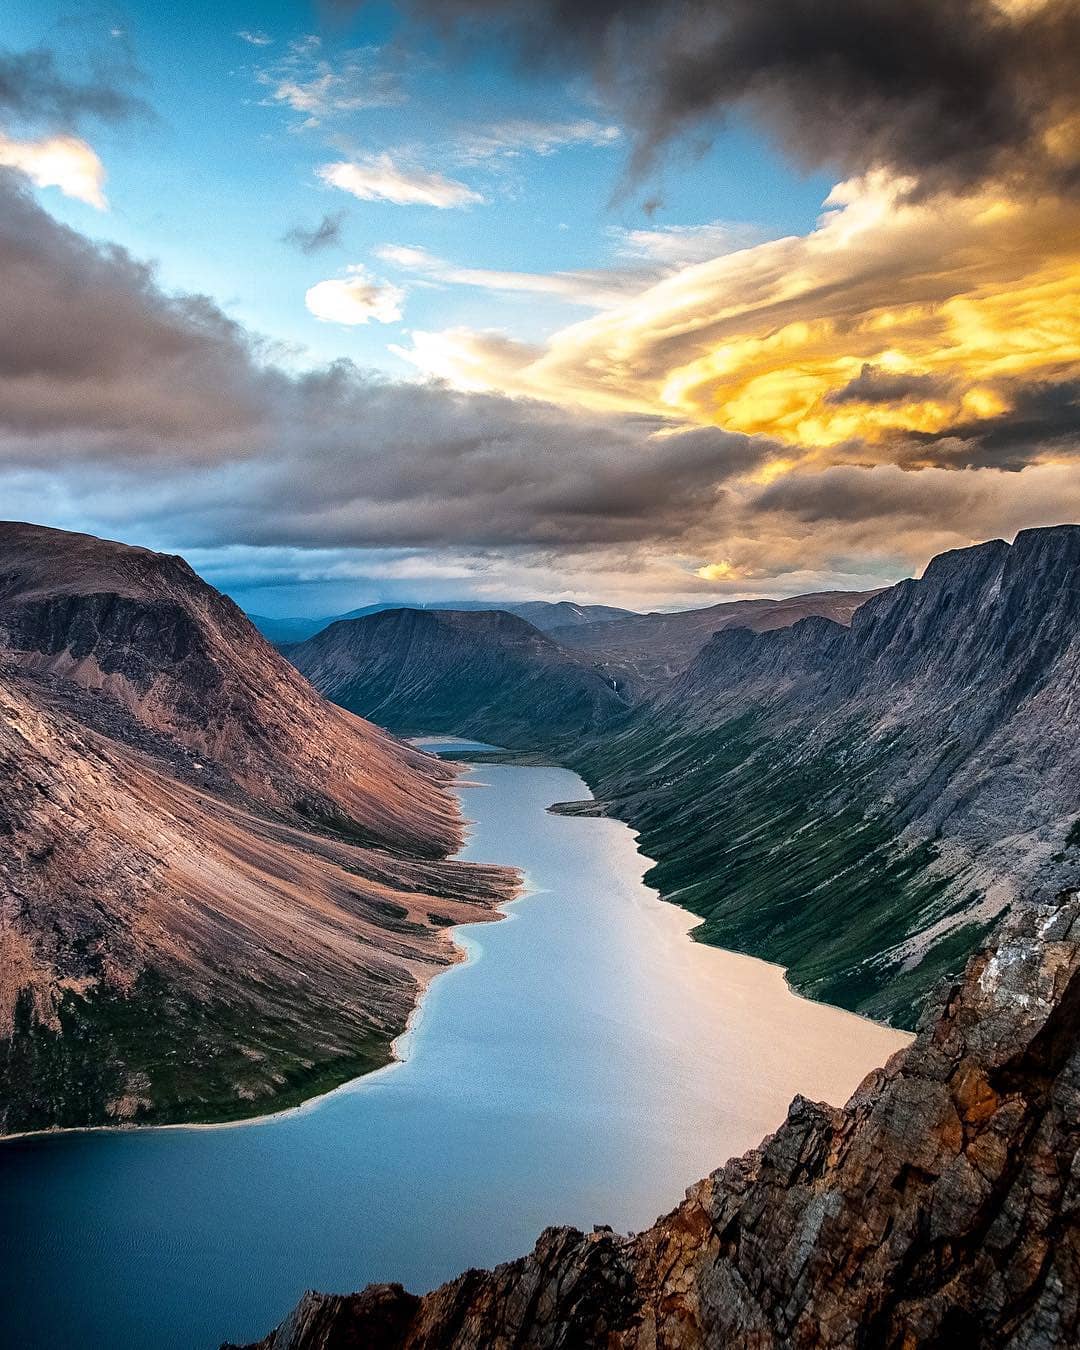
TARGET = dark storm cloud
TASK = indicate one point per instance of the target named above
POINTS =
(874, 385)
(948, 90)
(327, 234)
(104, 375)
(1043, 420)
(34, 90)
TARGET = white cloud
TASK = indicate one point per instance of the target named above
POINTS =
(306, 82)
(64, 162)
(378, 178)
(522, 136)
(255, 37)
(354, 299)
(681, 245)
(593, 289)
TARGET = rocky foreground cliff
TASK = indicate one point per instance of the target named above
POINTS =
(219, 893)
(939, 1208)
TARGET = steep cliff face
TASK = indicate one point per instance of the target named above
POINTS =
(176, 940)
(859, 803)
(486, 674)
(939, 1208)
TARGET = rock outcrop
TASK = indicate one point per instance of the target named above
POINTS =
(219, 894)
(487, 674)
(939, 1208)
(860, 802)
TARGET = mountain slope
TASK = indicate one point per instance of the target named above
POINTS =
(179, 940)
(939, 1209)
(859, 803)
(487, 674)
(646, 648)
(546, 615)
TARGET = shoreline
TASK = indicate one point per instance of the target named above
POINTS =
(415, 1017)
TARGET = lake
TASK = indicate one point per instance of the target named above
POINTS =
(585, 1065)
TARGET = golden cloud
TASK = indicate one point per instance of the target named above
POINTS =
(896, 314)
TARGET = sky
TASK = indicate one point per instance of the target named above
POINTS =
(652, 304)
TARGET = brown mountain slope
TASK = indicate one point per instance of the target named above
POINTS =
(939, 1209)
(163, 654)
(645, 648)
(177, 942)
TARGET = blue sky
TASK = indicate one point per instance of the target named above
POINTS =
(211, 186)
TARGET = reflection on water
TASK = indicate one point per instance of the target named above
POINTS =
(585, 1066)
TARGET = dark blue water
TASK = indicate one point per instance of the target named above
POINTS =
(585, 1066)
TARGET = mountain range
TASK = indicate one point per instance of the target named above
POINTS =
(218, 889)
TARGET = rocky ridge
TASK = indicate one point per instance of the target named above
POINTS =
(939, 1208)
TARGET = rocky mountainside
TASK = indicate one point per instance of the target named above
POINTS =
(643, 649)
(940, 1208)
(487, 674)
(217, 891)
(858, 803)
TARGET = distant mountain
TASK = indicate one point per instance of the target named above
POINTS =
(219, 891)
(543, 614)
(859, 803)
(487, 674)
(644, 648)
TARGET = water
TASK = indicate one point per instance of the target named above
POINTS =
(585, 1066)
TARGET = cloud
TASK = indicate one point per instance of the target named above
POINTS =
(58, 161)
(518, 136)
(378, 178)
(965, 301)
(355, 299)
(327, 234)
(255, 37)
(595, 289)
(156, 418)
(946, 91)
(34, 92)
(307, 82)
(680, 245)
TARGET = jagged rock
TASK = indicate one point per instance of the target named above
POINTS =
(939, 1208)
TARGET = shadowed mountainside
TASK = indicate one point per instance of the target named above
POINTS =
(486, 674)
(858, 803)
(219, 892)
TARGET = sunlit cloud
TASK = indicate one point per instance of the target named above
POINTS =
(64, 162)
(378, 178)
(952, 305)
(680, 245)
(354, 299)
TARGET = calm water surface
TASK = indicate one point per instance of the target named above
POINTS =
(585, 1066)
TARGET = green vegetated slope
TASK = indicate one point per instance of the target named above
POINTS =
(860, 804)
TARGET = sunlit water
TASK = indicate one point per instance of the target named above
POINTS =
(584, 1066)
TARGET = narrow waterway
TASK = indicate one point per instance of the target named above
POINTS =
(584, 1066)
